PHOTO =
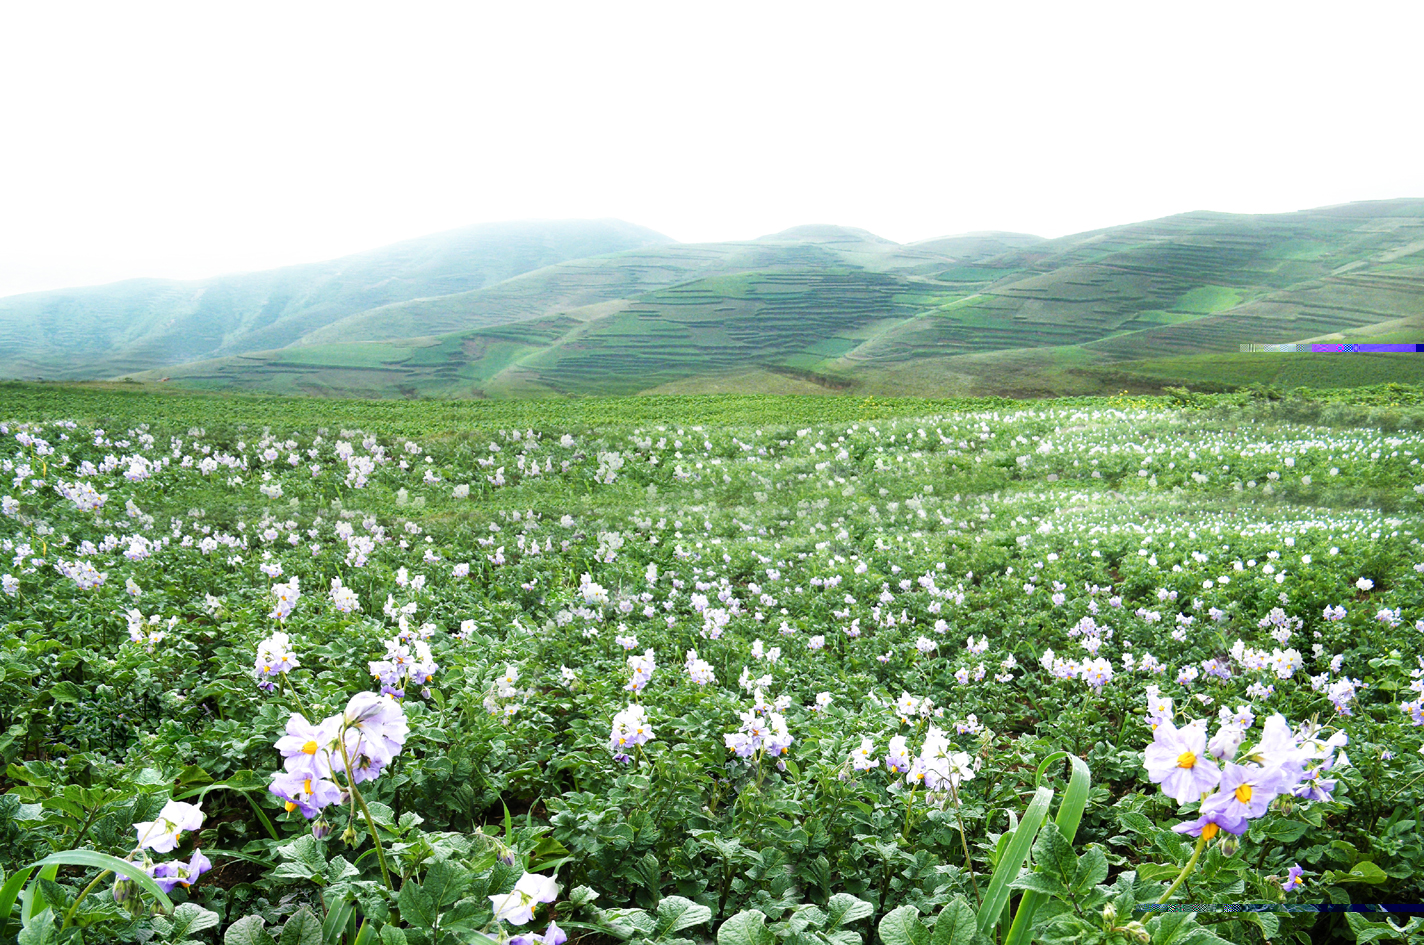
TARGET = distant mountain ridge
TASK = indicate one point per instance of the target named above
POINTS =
(813, 309)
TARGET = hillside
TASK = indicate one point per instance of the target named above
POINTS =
(833, 309)
(148, 323)
(823, 309)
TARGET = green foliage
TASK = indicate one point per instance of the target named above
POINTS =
(940, 521)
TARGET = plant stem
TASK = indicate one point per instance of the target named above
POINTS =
(290, 687)
(69, 916)
(1186, 870)
(909, 801)
(370, 824)
(968, 863)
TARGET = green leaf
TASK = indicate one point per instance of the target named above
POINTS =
(1362, 872)
(997, 896)
(902, 926)
(1367, 931)
(445, 882)
(55, 895)
(956, 924)
(1158, 871)
(390, 935)
(581, 896)
(301, 928)
(1066, 929)
(10, 891)
(1092, 869)
(1039, 882)
(844, 908)
(338, 869)
(191, 918)
(103, 861)
(40, 932)
(333, 927)
(416, 906)
(1070, 814)
(1286, 831)
(745, 928)
(304, 859)
(1054, 855)
(65, 691)
(676, 913)
(247, 931)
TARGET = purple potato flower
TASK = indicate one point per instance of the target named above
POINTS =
(1177, 759)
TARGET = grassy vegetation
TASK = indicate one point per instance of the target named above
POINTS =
(1281, 370)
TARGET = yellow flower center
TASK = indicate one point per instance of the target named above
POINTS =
(1243, 794)
(291, 807)
(310, 747)
(1209, 830)
(307, 786)
(1186, 759)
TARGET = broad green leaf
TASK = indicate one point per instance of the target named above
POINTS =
(247, 931)
(745, 928)
(956, 924)
(301, 928)
(902, 926)
(416, 906)
(844, 908)
(1367, 931)
(190, 919)
(1065, 929)
(445, 882)
(676, 913)
(1092, 869)
(1363, 872)
(38, 932)
(1045, 884)
(1054, 855)
(65, 691)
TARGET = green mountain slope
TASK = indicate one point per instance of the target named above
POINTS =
(827, 309)
(628, 275)
(105, 330)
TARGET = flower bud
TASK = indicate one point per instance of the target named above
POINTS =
(1137, 931)
(321, 829)
(348, 836)
(1109, 915)
(1229, 845)
(124, 889)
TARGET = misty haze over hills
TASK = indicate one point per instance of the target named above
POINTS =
(591, 307)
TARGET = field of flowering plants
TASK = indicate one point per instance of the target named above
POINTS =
(808, 672)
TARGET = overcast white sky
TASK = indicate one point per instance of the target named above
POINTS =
(191, 139)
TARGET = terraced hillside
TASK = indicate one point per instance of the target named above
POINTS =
(625, 276)
(831, 309)
(101, 331)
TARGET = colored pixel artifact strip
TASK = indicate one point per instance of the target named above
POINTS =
(1329, 349)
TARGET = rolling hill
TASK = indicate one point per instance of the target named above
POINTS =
(829, 309)
(149, 323)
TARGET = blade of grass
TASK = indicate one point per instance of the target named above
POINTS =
(1015, 856)
(10, 892)
(335, 925)
(1070, 814)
